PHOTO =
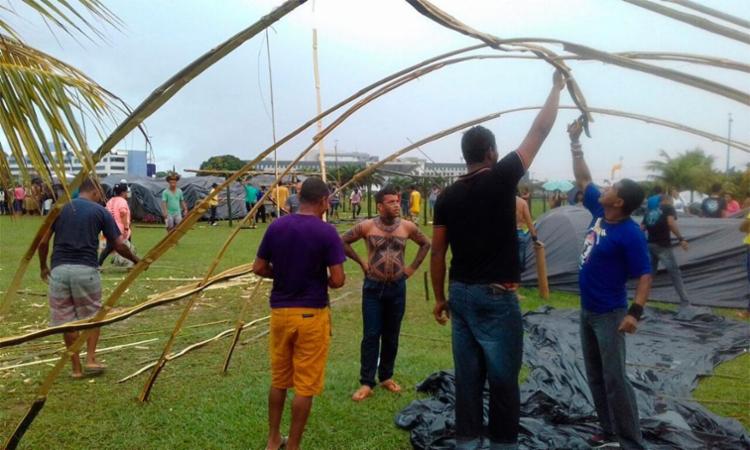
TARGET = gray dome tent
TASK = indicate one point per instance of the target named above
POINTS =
(713, 268)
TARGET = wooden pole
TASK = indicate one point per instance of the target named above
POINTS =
(316, 73)
(229, 205)
(238, 326)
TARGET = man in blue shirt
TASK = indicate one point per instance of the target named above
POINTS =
(614, 251)
(75, 289)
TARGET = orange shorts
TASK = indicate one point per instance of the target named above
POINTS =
(299, 348)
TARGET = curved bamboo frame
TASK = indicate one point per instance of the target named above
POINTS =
(145, 109)
(437, 15)
(151, 104)
(174, 84)
(610, 112)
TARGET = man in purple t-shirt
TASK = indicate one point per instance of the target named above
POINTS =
(304, 256)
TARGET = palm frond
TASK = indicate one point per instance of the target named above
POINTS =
(40, 98)
(67, 16)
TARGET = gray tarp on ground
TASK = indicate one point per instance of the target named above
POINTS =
(665, 358)
(713, 268)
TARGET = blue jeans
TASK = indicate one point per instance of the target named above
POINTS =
(487, 347)
(604, 357)
(666, 256)
(383, 305)
(522, 248)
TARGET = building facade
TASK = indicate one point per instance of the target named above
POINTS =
(125, 162)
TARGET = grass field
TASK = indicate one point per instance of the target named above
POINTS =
(192, 405)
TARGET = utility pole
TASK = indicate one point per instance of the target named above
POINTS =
(729, 139)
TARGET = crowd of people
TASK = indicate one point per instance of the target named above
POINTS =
(481, 219)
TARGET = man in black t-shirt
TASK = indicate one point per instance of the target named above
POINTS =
(476, 218)
(714, 206)
(659, 223)
(75, 289)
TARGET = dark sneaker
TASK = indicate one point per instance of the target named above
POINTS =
(603, 441)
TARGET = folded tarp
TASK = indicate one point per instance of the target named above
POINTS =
(713, 269)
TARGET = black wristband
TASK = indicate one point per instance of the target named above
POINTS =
(534, 238)
(636, 311)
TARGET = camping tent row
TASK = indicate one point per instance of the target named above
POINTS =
(145, 194)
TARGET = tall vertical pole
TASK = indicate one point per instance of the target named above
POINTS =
(316, 73)
(273, 123)
(229, 206)
(729, 140)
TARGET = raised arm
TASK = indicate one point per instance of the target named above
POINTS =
(543, 123)
(353, 235)
(580, 168)
(424, 247)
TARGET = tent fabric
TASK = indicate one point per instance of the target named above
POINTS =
(713, 268)
(665, 358)
(145, 198)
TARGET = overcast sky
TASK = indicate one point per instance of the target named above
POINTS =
(225, 110)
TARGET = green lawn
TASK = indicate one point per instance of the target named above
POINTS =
(192, 405)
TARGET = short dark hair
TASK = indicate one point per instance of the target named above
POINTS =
(476, 142)
(412, 187)
(386, 190)
(313, 190)
(657, 190)
(715, 188)
(214, 185)
(88, 185)
(119, 188)
(631, 194)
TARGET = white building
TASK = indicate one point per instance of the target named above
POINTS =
(132, 162)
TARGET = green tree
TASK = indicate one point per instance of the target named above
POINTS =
(691, 170)
(222, 162)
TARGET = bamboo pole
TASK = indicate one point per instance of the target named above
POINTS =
(164, 298)
(529, 44)
(692, 19)
(215, 338)
(189, 348)
(98, 351)
(160, 249)
(711, 12)
(145, 110)
(151, 104)
(316, 139)
(610, 112)
(316, 74)
(238, 326)
(434, 13)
